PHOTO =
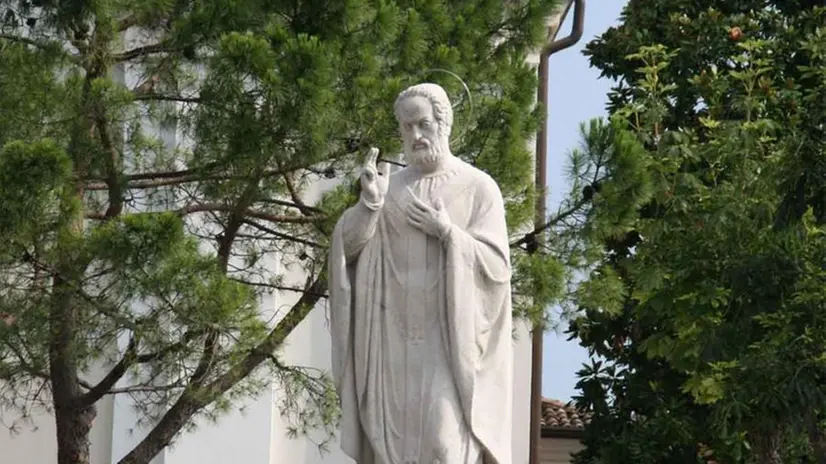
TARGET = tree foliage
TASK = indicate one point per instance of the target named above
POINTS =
(155, 159)
(705, 304)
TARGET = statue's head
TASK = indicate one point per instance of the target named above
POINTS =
(425, 119)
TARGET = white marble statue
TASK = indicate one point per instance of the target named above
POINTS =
(420, 306)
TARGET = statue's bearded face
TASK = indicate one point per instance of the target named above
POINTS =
(423, 136)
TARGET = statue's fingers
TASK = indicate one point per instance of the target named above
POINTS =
(422, 206)
(368, 173)
(412, 211)
(414, 222)
(416, 209)
(416, 214)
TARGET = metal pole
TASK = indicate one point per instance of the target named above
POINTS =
(541, 184)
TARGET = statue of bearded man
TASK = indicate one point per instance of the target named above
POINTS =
(420, 304)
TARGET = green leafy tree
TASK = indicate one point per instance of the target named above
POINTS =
(704, 305)
(150, 209)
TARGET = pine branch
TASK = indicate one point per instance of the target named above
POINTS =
(131, 358)
(194, 398)
(24, 365)
(225, 243)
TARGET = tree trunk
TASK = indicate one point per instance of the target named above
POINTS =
(766, 445)
(73, 417)
(73, 427)
(817, 439)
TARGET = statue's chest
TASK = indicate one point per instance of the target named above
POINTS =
(451, 191)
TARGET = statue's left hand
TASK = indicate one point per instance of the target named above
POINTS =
(433, 221)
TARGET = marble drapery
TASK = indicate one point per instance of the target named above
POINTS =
(422, 347)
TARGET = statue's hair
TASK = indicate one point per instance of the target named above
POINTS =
(438, 99)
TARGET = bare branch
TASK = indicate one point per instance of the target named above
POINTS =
(37, 44)
(146, 388)
(295, 196)
(147, 184)
(112, 161)
(127, 22)
(149, 96)
(95, 216)
(172, 174)
(24, 40)
(116, 373)
(302, 207)
(282, 288)
(213, 207)
(165, 178)
(144, 51)
(281, 235)
(167, 350)
(130, 358)
(560, 216)
(206, 207)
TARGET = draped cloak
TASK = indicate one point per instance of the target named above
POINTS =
(467, 312)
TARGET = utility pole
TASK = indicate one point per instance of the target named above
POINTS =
(554, 45)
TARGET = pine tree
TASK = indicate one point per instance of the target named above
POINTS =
(113, 233)
(705, 303)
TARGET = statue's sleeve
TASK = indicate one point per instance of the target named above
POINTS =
(352, 233)
(479, 324)
(483, 245)
(358, 226)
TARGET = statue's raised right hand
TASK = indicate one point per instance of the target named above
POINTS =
(374, 180)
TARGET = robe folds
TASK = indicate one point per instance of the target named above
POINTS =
(421, 328)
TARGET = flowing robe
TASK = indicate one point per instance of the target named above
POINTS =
(421, 328)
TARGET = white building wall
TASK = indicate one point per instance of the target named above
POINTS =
(32, 443)
(521, 392)
(32, 439)
(558, 450)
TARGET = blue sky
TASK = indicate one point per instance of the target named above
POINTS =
(576, 94)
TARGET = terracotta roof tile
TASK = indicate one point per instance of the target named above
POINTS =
(559, 415)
